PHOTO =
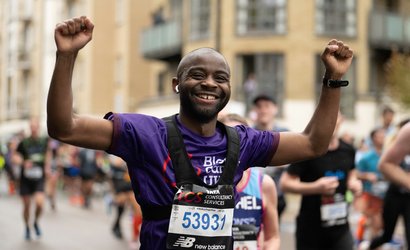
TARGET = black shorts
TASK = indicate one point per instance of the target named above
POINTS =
(311, 236)
(121, 186)
(29, 187)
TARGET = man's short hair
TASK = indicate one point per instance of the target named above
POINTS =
(387, 109)
(263, 97)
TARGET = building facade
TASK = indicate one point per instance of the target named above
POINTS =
(277, 44)
(136, 47)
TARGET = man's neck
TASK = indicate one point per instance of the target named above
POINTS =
(203, 129)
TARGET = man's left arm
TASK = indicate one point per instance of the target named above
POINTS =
(314, 140)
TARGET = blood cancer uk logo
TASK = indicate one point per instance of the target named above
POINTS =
(213, 167)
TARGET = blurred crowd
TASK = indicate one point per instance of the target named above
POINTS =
(73, 172)
(80, 174)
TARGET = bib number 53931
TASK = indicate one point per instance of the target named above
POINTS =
(203, 221)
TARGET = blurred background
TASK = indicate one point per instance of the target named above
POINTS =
(272, 46)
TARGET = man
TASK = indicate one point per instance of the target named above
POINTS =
(266, 110)
(387, 120)
(203, 83)
(36, 157)
(395, 166)
(322, 222)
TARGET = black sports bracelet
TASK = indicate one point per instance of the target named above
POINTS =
(335, 83)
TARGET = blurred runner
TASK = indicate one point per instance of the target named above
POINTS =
(88, 171)
(374, 187)
(255, 221)
(53, 174)
(322, 222)
(395, 165)
(123, 196)
(13, 162)
(37, 159)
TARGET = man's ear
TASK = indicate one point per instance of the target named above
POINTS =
(175, 83)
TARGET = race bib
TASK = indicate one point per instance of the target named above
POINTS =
(333, 211)
(379, 188)
(33, 173)
(245, 237)
(201, 218)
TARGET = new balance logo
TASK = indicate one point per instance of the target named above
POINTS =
(185, 242)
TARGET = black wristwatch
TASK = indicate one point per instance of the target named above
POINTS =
(335, 83)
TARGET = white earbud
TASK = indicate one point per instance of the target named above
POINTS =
(177, 89)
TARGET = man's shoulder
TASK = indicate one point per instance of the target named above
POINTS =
(141, 120)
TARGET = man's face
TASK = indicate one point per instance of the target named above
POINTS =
(265, 111)
(388, 118)
(34, 127)
(204, 86)
(378, 138)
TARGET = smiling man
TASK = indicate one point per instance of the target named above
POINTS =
(183, 169)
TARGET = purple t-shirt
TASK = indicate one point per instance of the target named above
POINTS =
(141, 141)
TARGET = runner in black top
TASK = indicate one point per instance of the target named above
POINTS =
(37, 157)
(322, 222)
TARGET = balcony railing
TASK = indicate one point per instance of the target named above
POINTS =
(162, 41)
(388, 30)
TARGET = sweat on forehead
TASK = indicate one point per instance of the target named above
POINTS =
(188, 58)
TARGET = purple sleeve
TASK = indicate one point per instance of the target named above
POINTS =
(133, 136)
(257, 147)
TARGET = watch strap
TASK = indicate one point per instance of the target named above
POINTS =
(330, 83)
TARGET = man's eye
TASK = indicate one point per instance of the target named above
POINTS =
(197, 76)
(221, 79)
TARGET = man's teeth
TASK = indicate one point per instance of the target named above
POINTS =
(207, 97)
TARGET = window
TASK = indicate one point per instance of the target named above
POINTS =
(161, 83)
(335, 17)
(348, 99)
(119, 12)
(261, 17)
(263, 73)
(200, 19)
(176, 9)
(119, 71)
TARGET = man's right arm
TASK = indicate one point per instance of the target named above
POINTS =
(70, 36)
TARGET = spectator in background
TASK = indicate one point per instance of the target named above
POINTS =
(266, 110)
(387, 120)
